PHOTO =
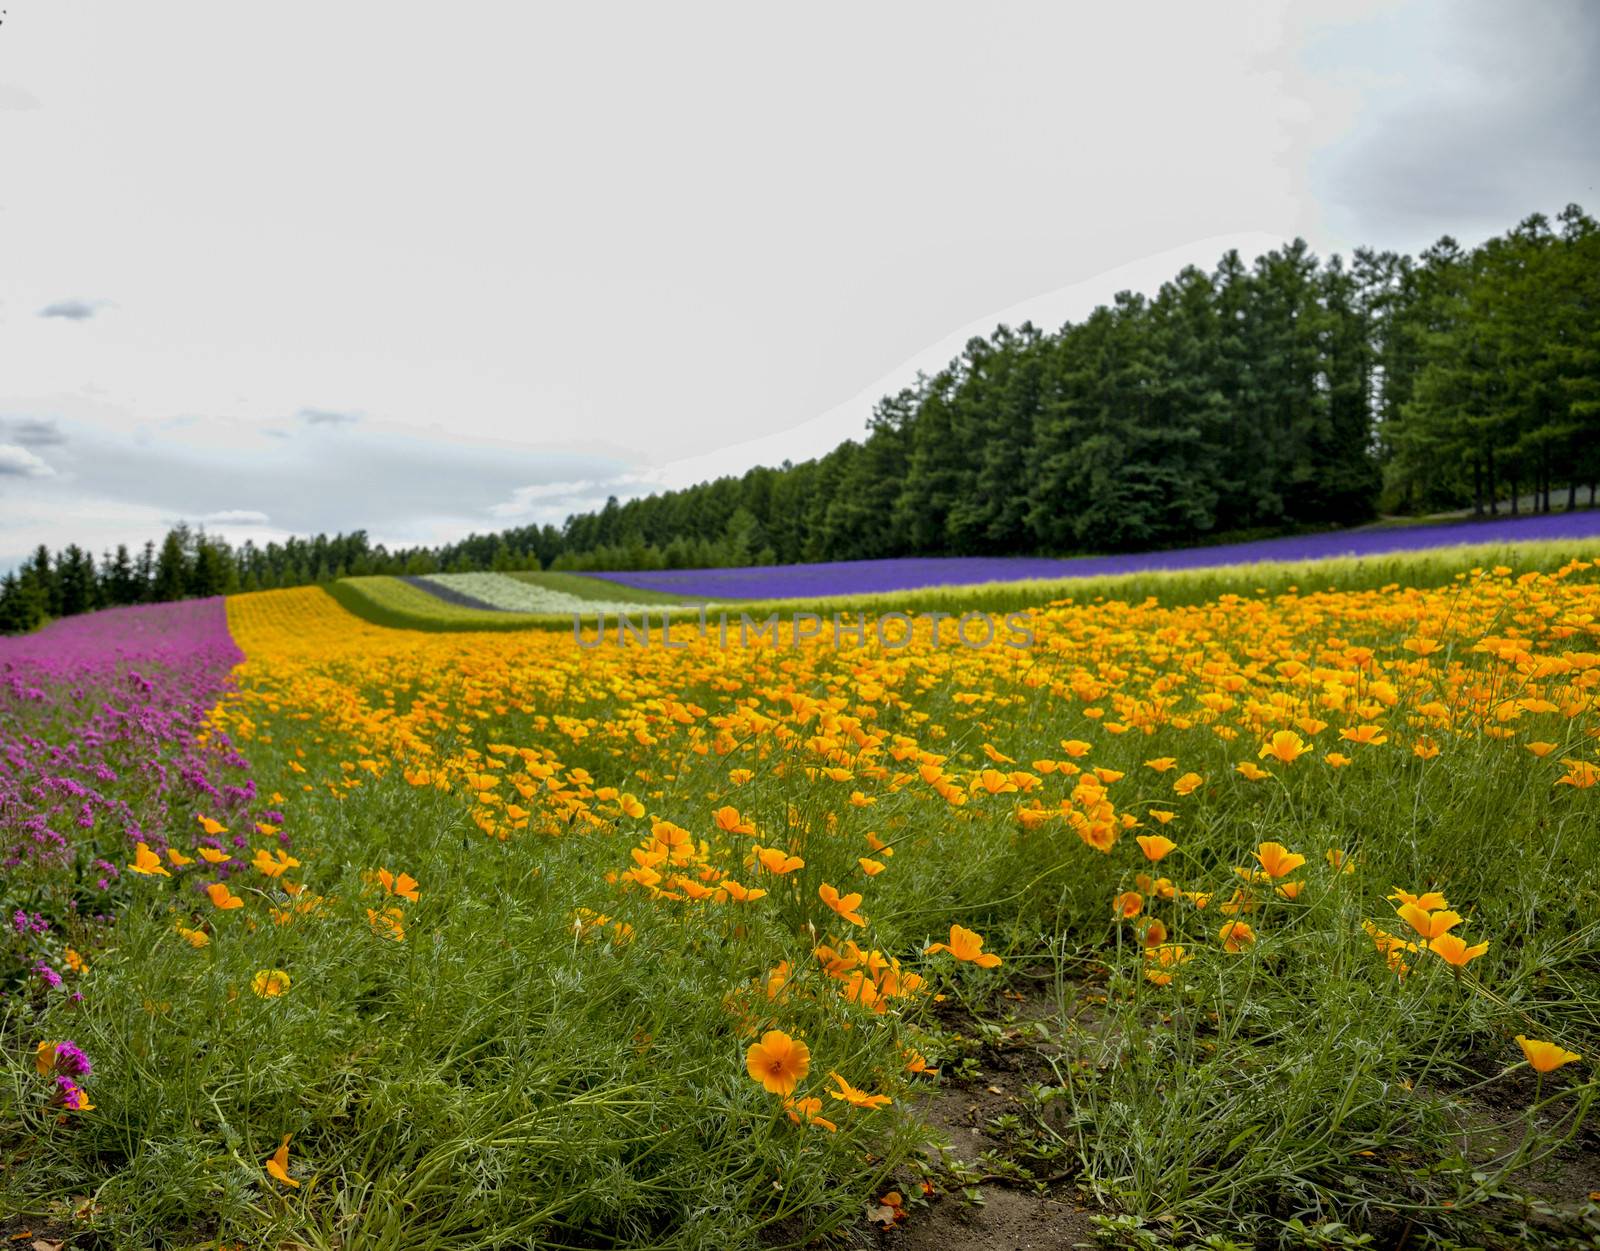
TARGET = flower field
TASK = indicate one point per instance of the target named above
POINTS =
(1265, 919)
(498, 590)
(874, 577)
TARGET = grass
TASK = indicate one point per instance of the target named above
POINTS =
(554, 1054)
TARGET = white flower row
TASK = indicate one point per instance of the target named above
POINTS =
(512, 595)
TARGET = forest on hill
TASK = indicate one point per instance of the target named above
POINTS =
(1287, 394)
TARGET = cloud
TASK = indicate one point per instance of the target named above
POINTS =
(328, 417)
(35, 432)
(71, 310)
(236, 517)
(19, 462)
(555, 501)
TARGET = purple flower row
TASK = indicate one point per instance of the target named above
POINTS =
(852, 577)
(103, 743)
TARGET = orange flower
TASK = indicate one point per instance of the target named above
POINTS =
(1164, 958)
(857, 1098)
(1155, 846)
(146, 863)
(1236, 936)
(1277, 860)
(1284, 745)
(1251, 772)
(1545, 1056)
(278, 1163)
(1580, 774)
(727, 818)
(1188, 783)
(1162, 763)
(809, 1108)
(405, 885)
(1429, 901)
(1128, 905)
(1453, 950)
(223, 897)
(844, 905)
(778, 1062)
(871, 867)
(1429, 924)
(212, 856)
(178, 859)
(779, 862)
(966, 945)
(739, 892)
(1161, 815)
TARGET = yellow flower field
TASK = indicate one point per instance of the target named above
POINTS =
(679, 946)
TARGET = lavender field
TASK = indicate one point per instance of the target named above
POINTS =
(853, 577)
(104, 745)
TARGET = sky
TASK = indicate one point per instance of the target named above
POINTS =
(430, 269)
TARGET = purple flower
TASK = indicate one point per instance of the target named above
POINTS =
(850, 577)
(71, 1095)
(71, 1060)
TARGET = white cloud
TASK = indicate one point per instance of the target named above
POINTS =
(554, 501)
(20, 462)
(235, 517)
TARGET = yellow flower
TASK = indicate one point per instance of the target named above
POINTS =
(778, 1062)
(1188, 783)
(1277, 860)
(146, 863)
(278, 1163)
(966, 945)
(1545, 1057)
(388, 924)
(845, 905)
(195, 938)
(856, 1098)
(270, 983)
(809, 1108)
(728, 818)
(1236, 936)
(1251, 772)
(405, 885)
(776, 861)
(1284, 745)
(1453, 950)
(1428, 924)
(1155, 846)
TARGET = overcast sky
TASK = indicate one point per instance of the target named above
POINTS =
(426, 268)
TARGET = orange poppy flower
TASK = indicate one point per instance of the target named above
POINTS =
(778, 1062)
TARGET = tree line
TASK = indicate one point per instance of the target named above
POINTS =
(1287, 394)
